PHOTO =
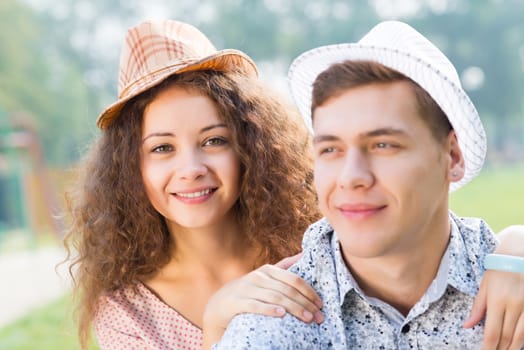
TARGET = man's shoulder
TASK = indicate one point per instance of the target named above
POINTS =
(249, 331)
(316, 234)
(471, 224)
(475, 232)
(471, 240)
(316, 262)
(315, 245)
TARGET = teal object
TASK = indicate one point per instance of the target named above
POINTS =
(508, 263)
(12, 213)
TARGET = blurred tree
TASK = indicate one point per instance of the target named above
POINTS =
(488, 37)
(59, 58)
(52, 67)
(277, 30)
(38, 79)
(483, 39)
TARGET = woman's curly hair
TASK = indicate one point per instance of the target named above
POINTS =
(117, 238)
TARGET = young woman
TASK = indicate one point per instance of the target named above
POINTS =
(199, 180)
(199, 177)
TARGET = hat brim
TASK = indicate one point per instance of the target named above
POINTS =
(228, 60)
(451, 98)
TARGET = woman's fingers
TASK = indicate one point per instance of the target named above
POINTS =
(511, 317)
(492, 327)
(281, 287)
(478, 310)
(268, 290)
(292, 302)
(513, 328)
(287, 262)
(518, 337)
(262, 308)
(293, 284)
(504, 324)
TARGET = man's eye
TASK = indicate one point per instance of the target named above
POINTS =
(327, 150)
(385, 145)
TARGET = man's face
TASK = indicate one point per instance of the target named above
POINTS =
(382, 179)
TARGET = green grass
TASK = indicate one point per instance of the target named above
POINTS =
(47, 328)
(496, 196)
(16, 240)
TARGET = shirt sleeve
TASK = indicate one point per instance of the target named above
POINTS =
(250, 331)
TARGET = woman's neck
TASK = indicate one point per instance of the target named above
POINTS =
(216, 250)
(202, 261)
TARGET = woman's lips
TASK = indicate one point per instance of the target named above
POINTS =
(195, 196)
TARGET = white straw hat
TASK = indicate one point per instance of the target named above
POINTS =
(400, 47)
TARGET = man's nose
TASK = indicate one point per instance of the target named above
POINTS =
(356, 171)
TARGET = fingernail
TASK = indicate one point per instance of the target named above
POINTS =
(319, 317)
(280, 311)
(318, 303)
(308, 316)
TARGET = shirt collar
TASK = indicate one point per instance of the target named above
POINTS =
(345, 279)
(322, 245)
(455, 268)
(464, 274)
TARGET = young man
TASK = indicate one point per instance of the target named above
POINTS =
(394, 132)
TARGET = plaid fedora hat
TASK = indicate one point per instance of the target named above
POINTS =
(400, 47)
(155, 50)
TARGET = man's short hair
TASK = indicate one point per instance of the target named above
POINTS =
(351, 74)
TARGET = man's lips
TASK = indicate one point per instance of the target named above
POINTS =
(360, 210)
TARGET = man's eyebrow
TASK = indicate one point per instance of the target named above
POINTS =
(324, 138)
(372, 133)
(383, 132)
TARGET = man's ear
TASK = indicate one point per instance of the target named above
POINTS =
(456, 166)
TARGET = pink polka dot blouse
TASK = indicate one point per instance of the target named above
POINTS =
(131, 321)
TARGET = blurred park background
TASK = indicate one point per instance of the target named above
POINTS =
(58, 68)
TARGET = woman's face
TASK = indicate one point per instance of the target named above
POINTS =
(190, 170)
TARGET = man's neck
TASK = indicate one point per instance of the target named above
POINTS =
(401, 279)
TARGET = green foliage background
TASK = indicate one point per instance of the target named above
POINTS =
(59, 58)
(496, 196)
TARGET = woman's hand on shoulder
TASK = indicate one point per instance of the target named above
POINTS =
(501, 298)
(269, 290)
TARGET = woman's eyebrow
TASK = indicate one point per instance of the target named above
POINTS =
(210, 127)
(159, 134)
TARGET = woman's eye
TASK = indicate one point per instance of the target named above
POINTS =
(215, 141)
(162, 149)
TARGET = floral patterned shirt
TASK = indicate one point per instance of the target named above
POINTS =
(356, 321)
